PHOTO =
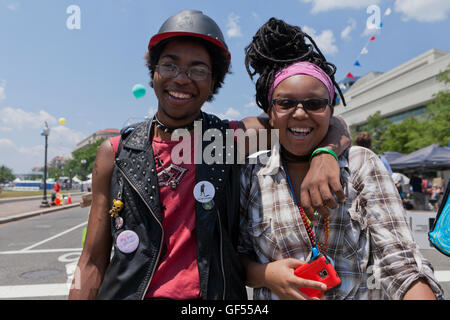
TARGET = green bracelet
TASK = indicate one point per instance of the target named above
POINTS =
(321, 150)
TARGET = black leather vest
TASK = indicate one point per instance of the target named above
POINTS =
(128, 276)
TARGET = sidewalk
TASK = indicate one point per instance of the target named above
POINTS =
(15, 210)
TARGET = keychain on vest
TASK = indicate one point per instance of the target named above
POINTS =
(117, 208)
(127, 241)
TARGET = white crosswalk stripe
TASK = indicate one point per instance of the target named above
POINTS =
(34, 291)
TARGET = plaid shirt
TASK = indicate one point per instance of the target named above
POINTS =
(370, 242)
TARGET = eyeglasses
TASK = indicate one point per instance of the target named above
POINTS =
(195, 73)
(287, 105)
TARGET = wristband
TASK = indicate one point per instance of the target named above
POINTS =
(321, 150)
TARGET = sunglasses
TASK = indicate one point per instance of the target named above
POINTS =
(287, 105)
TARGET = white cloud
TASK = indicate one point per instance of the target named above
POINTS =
(233, 27)
(419, 10)
(345, 34)
(11, 5)
(256, 16)
(251, 104)
(61, 141)
(20, 119)
(62, 135)
(325, 41)
(6, 143)
(35, 152)
(208, 107)
(327, 5)
(230, 114)
(25, 148)
(423, 11)
(2, 90)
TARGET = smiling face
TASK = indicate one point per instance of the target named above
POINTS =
(300, 132)
(180, 99)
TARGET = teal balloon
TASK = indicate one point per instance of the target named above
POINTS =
(139, 91)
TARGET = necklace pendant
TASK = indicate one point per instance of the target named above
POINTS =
(173, 184)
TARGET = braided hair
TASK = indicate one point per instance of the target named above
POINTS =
(277, 45)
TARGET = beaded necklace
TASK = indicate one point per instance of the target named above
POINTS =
(323, 247)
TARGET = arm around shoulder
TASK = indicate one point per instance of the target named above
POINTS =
(338, 136)
(97, 248)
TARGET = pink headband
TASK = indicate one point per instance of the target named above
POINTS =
(306, 68)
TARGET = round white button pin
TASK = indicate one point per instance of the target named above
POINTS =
(127, 241)
(204, 191)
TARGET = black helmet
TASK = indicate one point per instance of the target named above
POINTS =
(190, 23)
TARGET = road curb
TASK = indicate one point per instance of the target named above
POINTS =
(17, 199)
(37, 213)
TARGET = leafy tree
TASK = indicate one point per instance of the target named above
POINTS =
(413, 133)
(55, 172)
(87, 153)
(376, 126)
(6, 174)
(438, 126)
(406, 136)
(74, 167)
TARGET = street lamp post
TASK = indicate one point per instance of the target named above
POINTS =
(70, 176)
(83, 162)
(46, 132)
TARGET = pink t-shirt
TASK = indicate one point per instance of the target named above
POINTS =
(176, 276)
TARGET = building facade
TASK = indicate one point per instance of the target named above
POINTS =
(399, 93)
(102, 134)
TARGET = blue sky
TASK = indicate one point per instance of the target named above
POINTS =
(85, 75)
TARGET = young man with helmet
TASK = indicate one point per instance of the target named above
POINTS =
(174, 227)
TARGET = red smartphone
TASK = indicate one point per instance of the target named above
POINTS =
(318, 269)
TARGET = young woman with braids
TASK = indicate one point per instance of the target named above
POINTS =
(367, 237)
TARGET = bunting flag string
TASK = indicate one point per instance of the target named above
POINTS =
(365, 50)
(350, 75)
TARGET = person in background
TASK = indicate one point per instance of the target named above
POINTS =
(57, 187)
(55, 193)
(417, 191)
(436, 194)
(364, 140)
(402, 183)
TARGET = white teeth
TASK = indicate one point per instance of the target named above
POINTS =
(180, 95)
(301, 130)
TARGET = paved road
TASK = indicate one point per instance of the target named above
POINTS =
(14, 208)
(38, 256)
